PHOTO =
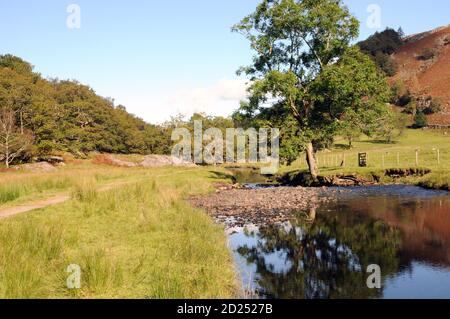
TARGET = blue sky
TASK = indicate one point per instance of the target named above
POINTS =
(159, 58)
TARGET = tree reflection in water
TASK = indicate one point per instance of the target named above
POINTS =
(326, 256)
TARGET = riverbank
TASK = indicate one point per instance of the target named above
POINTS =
(423, 177)
(239, 207)
(140, 240)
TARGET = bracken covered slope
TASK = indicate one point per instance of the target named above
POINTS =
(431, 77)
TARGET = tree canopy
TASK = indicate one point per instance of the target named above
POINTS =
(305, 64)
(68, 116)
(381, 45)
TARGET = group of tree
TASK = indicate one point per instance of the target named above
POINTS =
(41, 116)
(381, 45)
(307, 77)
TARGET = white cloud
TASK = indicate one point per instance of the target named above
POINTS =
(158, 105)
(220, 99)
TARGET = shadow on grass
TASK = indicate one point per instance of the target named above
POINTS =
(223, 175)
(380, 142)
(342, 146)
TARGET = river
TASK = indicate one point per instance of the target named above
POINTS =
(404, 230)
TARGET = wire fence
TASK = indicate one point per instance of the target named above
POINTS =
(420, 157)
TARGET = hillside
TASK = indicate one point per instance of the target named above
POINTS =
(44, 116)
(424, 67)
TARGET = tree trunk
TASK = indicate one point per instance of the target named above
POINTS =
(21, 122)
(7, 157)
(311, 159)
(7, 151)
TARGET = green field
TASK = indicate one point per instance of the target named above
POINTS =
(401, 153)
(137, 240)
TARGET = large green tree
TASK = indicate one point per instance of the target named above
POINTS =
(302, 56)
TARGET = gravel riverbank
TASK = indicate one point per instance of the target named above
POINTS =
(238, 207)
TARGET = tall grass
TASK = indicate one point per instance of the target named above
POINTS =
(16, 187)
(137, 241)
(436, 180)
(26, 252)
(85, 190)
(11, 191)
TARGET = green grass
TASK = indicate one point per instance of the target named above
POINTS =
(140, 240)
(427, 142)
(25, 186)
(436, 180)
(381, 156)
(20, 187)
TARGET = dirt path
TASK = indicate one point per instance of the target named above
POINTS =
(63, 197)
(19, 209)
(55, 200)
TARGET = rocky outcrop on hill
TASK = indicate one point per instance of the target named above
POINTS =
(147, 161)
(41, 167)
(55, 160)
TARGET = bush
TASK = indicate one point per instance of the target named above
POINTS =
(386, 63)
(427, 54)
(447, 40)
(45, 148)
(402, 99)
(411, 107)
(420, 121)
(435, 106)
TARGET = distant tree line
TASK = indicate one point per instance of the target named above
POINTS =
(42, 116)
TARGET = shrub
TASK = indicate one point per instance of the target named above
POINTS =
(427, 54)
(403, 99)
(420, 120)
(386, 63)
(447, 40)
(435, 106)
(45, 148)
(411, 107)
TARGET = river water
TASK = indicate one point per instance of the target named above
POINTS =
(404, 230)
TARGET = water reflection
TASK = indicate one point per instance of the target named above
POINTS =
(325, 252)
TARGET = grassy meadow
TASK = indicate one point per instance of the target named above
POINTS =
(137, 240)
(401, 153)
(20, 187)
